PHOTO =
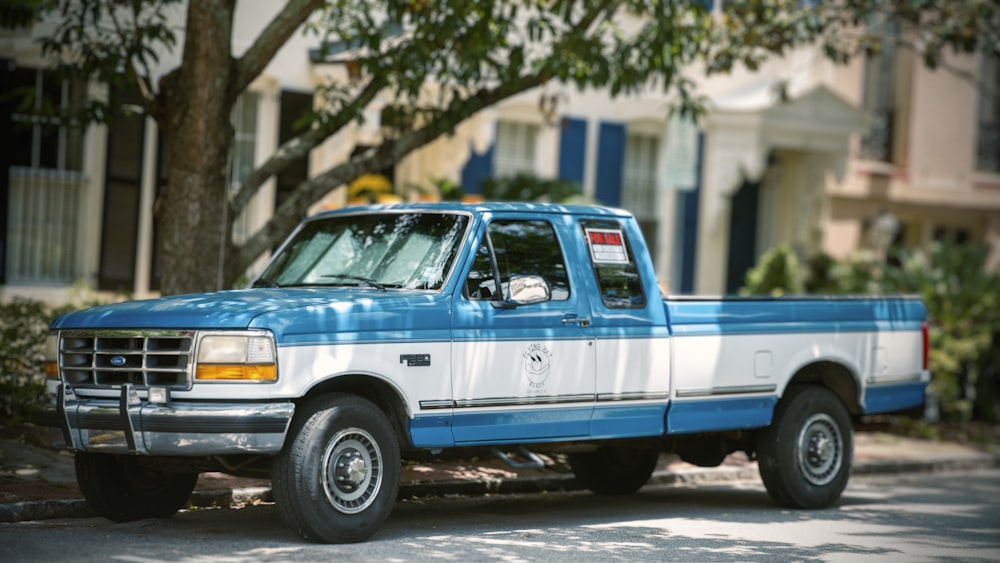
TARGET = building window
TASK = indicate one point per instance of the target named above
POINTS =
(515, 148)
(641, 161)
(988, 134)
(950, 234)
(43, 137)
(42, 187)
(243, 157)
(294, 105)
(878, 98)
(244, 120)
(639, 174)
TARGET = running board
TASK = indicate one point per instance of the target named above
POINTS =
(534, 462)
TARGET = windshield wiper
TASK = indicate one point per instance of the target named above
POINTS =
(368, 281)
(264, 282)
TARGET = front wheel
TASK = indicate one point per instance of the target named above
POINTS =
(123, 488)
(613, 470)
(805, 455)
(336, 479)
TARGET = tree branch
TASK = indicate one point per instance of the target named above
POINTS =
(299, 147)
(306, 193)
(132, 58)
(297, 205)
(270, 40)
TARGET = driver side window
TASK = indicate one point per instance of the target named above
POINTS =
(520, 248)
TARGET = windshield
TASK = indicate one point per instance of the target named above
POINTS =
(379, 251)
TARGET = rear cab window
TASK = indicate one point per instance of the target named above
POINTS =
(614, 265)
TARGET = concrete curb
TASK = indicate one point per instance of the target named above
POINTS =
(225, 498)
(877, 467)
(44, 509)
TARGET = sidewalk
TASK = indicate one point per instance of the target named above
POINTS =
(39, 483)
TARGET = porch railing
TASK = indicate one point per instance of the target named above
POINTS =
(42, 218)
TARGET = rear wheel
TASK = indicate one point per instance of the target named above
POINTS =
(337, 478)
(613, 470)
(123, 489)
(805, 456)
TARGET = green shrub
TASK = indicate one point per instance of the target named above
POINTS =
(24, 326)
(23, 329)
(776, 274)
(962, 299)
(963, 310)
(527, 187)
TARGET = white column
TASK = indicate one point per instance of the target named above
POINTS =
(147, 197)
(547, 151)
(666, 203)
(590, 156)
(95, 145)
(733, 153)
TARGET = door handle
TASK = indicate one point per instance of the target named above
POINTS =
(584, 322)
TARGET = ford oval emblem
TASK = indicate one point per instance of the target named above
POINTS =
(118, 361)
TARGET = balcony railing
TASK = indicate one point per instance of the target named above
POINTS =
(43, 214)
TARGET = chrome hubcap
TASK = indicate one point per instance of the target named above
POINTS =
(820, 449)
(352, 465)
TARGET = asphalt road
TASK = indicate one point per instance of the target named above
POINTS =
(917, 517)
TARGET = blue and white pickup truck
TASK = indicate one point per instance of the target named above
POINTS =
(379, 332)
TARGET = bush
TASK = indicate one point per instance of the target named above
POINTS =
(776, 274)
(526, 187)
(963, 309)
(23, 329)
(24, 326)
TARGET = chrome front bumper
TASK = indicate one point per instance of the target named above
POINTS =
(134, 425)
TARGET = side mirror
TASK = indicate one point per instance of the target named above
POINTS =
(527, 290)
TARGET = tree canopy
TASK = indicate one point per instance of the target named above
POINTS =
(441, 62)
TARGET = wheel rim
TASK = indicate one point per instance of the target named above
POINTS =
(352, 466)
(820, 449)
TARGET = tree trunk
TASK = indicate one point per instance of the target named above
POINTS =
(194, 227)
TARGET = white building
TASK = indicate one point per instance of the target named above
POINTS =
(801, 152)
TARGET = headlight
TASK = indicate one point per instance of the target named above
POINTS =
(52, 356)
(236, 357)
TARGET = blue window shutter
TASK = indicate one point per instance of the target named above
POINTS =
(572, 149)
(689, 207)
(478, 168)
(610, 160)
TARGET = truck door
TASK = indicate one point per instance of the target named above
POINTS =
(526, 372)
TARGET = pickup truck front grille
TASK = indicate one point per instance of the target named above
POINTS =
(109, 359)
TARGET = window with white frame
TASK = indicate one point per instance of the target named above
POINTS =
(45, 182)
(516, 145)
(244, 119)
(639, 174)
(641, 161)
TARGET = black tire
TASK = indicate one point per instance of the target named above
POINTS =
(337, 477)
(122, 489)
(805, 455)
(614, 470)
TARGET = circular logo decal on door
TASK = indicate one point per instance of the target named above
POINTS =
(536, 364)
